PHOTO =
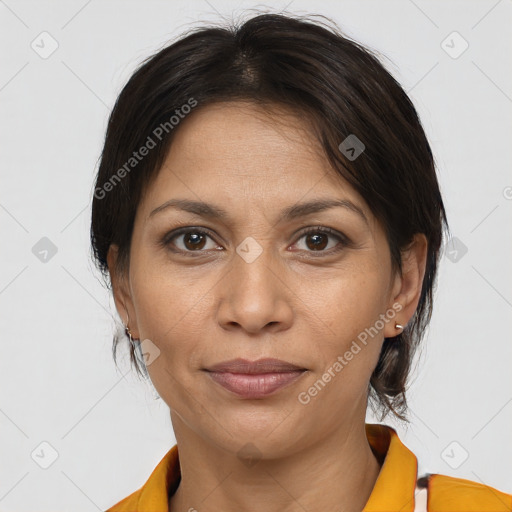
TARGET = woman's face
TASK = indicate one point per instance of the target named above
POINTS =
(251, 284)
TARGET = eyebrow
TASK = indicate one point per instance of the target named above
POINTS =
(292, 212)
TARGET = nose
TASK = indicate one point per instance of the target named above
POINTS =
(254, 295)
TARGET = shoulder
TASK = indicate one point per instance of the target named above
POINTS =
(153, 495)
(450, 494)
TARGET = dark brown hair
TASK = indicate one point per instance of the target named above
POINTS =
(335, 83)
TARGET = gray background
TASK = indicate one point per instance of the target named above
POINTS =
(59, 384)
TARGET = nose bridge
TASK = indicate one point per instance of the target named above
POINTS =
(255, 296)
(253, 264)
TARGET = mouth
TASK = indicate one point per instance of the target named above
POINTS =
(255, 379)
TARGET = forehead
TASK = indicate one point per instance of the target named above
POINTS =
(238, 150)
(241, 130)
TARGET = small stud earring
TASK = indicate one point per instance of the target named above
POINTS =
(398, 326)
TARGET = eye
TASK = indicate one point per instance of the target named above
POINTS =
(317, 240)
(195, 240)
(188, 240)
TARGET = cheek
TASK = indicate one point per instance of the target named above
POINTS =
(350, 305)
(349, 352)
(349, 299)
(167, 297)
(166, 314)
(162, 318)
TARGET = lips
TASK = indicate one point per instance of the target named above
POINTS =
(266, 365)
(254, 379)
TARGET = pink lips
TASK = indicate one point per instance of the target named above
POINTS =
(254, 379)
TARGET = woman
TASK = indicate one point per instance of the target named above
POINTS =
(268, 214)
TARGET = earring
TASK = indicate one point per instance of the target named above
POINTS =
(140, 357)
(128, 333)
(398, 326)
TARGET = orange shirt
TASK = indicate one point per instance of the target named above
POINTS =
(395, 489)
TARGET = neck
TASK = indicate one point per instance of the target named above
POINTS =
(337, 473)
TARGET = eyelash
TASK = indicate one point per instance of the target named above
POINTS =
(343, 240)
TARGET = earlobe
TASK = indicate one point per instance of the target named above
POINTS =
(407, 290)
(120, 290)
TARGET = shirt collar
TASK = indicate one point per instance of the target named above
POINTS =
(395, 486)
(393, 491)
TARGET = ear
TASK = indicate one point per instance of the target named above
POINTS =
(122, 292)
(407, 285)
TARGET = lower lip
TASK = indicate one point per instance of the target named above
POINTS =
(255, 385)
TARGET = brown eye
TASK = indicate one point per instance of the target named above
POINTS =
(323, 240)
(194, 240)
(317, 241)
(188, 240)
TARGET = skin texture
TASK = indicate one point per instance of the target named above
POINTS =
(293, 302)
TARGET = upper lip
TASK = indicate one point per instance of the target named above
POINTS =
(265, 365)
